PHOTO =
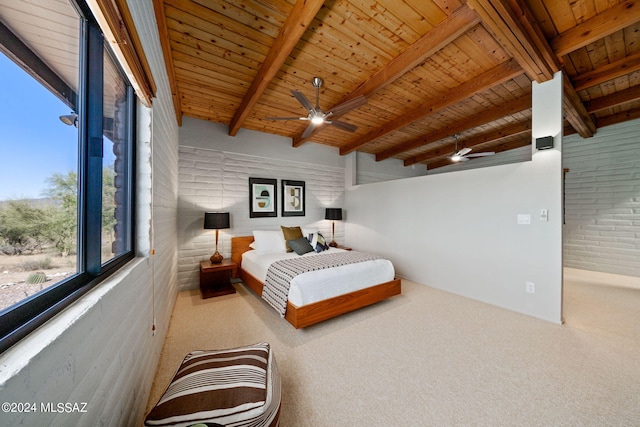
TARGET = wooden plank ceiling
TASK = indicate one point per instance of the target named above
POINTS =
(429, 69)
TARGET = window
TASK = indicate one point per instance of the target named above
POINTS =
(38, 210)
(67, 126)
(116, 163)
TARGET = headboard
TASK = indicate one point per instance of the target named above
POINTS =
(240, 245)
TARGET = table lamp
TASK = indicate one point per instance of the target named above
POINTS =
(333, 214)
(216, 221)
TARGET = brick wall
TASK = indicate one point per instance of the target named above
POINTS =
(214, 180)
(602, 200)
(101, 350)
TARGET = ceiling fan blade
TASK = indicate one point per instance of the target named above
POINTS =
(286, 118)
(302, 99)
(309, 130)
(464, 151)
(344, 126)
(463, 159)
(486, 153)
(347, 106)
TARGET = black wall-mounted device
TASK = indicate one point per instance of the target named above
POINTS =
(544, 143)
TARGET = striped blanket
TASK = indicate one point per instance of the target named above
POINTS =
(280, 273)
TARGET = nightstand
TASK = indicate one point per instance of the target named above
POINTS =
(215, 279)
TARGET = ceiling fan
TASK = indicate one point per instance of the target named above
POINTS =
(463, 155)
(319, 117)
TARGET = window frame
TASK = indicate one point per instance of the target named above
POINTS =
(17, 321)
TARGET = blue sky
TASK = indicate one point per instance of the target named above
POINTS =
(34, 143)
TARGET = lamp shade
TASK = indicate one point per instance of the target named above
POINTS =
(216, 220)
(334, 214)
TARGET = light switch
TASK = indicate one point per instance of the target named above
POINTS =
(544, 215)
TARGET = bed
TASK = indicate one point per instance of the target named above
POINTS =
(303, 313)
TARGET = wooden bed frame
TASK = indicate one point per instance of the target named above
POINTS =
(301, 317)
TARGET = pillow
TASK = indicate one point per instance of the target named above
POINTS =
(318, 242)
(291, 233)
(301, 246)
(238, 386)
(308, 230)
(268, 242)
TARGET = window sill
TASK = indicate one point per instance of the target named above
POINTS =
(20, 355)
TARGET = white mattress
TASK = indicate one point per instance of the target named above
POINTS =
(319, 285)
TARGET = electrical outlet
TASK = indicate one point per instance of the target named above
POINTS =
(530, 287)
(524, 219)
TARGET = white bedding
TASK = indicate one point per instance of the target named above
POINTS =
(319, 285)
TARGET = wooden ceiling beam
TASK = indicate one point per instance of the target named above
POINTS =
(574, 111)
(488, 116)
(493, 136)
(456, 24)
(294, 27)
(505, 23)
(515, 28)
(494, 77)
(609, 101)
(620, 117)
(606, 23)
(608, 72)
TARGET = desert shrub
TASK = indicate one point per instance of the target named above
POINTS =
(62, 227)
(36, 264)
(22, 226)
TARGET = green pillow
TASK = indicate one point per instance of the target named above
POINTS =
(300, 246)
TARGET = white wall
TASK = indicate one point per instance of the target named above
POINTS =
(101, 349)
(368, 170)
(459, 231)
(517, 155)
(602, 204)
(214, 176)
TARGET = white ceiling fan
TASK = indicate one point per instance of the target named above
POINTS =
(319, 117)
(463, 155)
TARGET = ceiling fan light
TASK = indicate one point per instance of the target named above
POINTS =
(317, 120)
(456, 158)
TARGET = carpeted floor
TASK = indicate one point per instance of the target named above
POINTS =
(430, 358)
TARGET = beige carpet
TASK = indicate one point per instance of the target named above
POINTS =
(432, 358)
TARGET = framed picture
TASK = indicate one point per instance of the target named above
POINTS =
(293, 201)
(262, 197)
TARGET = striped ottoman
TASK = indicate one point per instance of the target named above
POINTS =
(235, 387)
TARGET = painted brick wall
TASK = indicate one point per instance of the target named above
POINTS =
(602, 200)
(216, 180)
(101, 350)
